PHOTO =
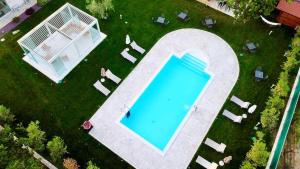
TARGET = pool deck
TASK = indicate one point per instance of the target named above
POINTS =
(222, 63)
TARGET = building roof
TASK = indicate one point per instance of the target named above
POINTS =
(292, 8)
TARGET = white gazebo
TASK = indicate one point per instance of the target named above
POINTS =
(61, 42)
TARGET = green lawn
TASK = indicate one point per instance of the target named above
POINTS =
(62, 108)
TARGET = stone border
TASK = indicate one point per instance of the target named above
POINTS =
(222, 62)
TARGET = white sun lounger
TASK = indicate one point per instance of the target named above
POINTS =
(137, 47)
(240, 102)
(206, 164)
(112, 76)
(127, 56)
(233, 117)
(127, 41)
(98, 85)
(218, 147)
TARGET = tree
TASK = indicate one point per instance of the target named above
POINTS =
(5, 135)
(91, 165)
(275, 102)
(42, 2)
(5, 115)
(100, 9)
(291, 63)
(269, 118)
(57, 148)
(70, 163)
(250, 9)
(247, 165)
(260, 135)
(4, 158)
(36, 137)
(108, 5)
(28, 163)
(258, 154)
(282, 88)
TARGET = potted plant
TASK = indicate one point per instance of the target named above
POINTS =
(16, 20)
(29, 11)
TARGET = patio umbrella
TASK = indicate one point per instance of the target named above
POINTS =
(252, 109)
(127, 39)
(103, 74)
(227, 159)
(87, 125)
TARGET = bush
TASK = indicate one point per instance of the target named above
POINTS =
(100, 9)
(269, 118)
(247, 165)
(258, 154)
(42, 2)
(5, 115)
(29, 11)
(275, 102)
(57, 148)
(91, 165)
(282, 88)
(36, 137)
(70, 163)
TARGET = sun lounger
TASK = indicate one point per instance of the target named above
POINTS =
(240, 102)
(98, 85)
(127, 56)
(127, 41)
(206, 164)
(233, 117)
(112, 77)
(218, 147)
(137, 47)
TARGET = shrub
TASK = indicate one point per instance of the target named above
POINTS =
(276, 102)
(282, 88)
(247, 165)
(258, 154)
(100, 9)
(91, 165)
(5, 115)
(42, 2)
(260, 135)
(57, 148)
(36, 137)
(269, 118)
(16, 20)
(70, 163)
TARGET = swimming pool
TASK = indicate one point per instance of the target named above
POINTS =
(159, 111)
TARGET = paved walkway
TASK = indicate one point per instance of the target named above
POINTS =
(214, 4)
(222, 63)
(5, 28)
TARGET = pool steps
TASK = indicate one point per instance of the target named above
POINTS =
(193, 63)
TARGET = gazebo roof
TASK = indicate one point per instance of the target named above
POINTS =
(56, 32)
(292, 8)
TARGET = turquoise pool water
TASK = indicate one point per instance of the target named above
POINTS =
(161, 108)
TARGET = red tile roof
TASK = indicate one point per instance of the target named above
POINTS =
(292, 8)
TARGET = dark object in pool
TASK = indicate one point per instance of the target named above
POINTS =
(128, 114)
